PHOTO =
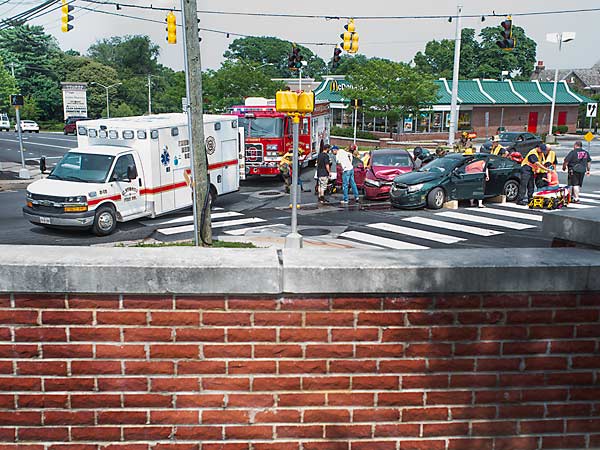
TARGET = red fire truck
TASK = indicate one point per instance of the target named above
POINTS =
(268, 134)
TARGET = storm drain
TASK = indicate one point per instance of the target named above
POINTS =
(268, 193)
(314, 232)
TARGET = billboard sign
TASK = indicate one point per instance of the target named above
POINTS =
(74, 99)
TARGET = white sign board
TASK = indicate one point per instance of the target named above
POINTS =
(74, 99)
(591, 110)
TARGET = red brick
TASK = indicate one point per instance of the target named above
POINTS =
(381, 318)
(587, 331)
(545, 395)
(308, 399)
(583, 426)
(251, 400)
(429, 350)
(250, 432)
(277, 416)
(7, 434)
(352, 366)
(147, 433)
(430, 318)
(505, 301)
(276, 446)
(200, 335)
(550, 300)
(458, 302)
(147, 334)
(300, 431)
(498, 364)
(290, 319)
(451, 365)
(334, 319)
(121, 318)
(477, 349)
(402, 366)
(200, 401)
(95, 434)
(474, 412)
(121, 384)
(495, 428)
(25, 317)
(43, 434)
(20, 384)
(397, 430)
(278, 351)
(174, 351)
(251, 367)
(200, 367)
(17, 351)
(586, 362)
(175, 318)
(450, 398)
(303, 335)
(521, 411)
(69, 351)
(67, 317)
(22, 418)
(199, 303)
(329, 351)
(58, 368)
(359, 303)
(354, 399)
(585, 394)
(94, 400)
(454, 334)
(424, 414)
(178, 446)
(465, 381)
(563, 442)
(120, 351)
(305, 304)
(407, 303)
(77, 447)
(302, 366)
(326, 415)
(516, 443)
(499, 333)
(517, 379)
(347, 431)
(379, 350)
(480, 318)
(251, 335)
(552, 332)
(40, 334)
(549, 363)
(69, 384)
(95, 334)
(423, 445)
(200, 434)
(147, 302)
(149, 368)
(577, 316)
(41, 401)
(526, 317)
(569, 410)
(175, 417)
(147, 401)
(542, 426)
(4, 300)
(40, 301)
(570, 378)
(355, 335)
(82, 301)
(375, 382)
(121, 417)
(225, 446)
(95, 367)
(227, 351)
(226, 384)
(376, 415)
(231, 319)
(68, 417)
(424, 381)
(400, 399)
(325, 383)
(174, 384)
(572, 347)
(252, 304)
(21, 446)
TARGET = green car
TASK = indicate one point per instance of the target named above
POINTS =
(456, 177)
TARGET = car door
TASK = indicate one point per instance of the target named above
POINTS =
(468, 179)
(499, 171)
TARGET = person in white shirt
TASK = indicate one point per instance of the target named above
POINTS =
(344, 159)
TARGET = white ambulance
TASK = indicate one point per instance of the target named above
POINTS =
(131, 167)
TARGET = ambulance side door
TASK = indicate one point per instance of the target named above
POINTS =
(132, 203)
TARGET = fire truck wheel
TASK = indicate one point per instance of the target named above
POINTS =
(105, 221)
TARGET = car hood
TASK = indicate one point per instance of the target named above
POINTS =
(388, 173)
(418, 177)
(61, 188)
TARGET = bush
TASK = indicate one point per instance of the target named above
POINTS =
(349, 132)
(561, 129)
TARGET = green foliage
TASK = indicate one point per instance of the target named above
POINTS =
(134, 55)
(30, 109)
(560, 129)
(348, 64)
(123, 110)
(7, 87)
(349, 132)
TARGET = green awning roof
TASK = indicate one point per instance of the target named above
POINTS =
(501, 93)
(562, 95)
(444, 97)
(469, 93)
(530, 91)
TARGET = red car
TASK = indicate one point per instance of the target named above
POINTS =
(385, 164)
(71, 124)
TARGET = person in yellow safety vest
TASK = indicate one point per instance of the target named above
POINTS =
(498, 150)
(551, 156)
(464, 143)
(285, 168)
(532, 164)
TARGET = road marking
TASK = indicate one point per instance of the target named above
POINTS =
(57, 139)
(453, 226)
(579, 206)
(38, 143)
(422, 234)
(486, 220)
(242, 231)
(589, 200)
(508, 213)
(384, 242)
(191, 218)
(589, 195)
(226, 223)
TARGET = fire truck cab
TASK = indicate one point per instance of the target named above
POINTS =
(268, 134)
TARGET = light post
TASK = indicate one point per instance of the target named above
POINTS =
(455, 73)
(107, 88)
(556, 38)
(304, 64)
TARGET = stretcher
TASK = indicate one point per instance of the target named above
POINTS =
(555, 197)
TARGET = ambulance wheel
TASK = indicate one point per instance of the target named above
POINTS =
(511, 190)
(105, 221)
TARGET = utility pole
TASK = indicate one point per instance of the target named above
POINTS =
(12, 66)
(453, 107)
(193, 75)
(149, 95)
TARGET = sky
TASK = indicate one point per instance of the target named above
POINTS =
(394, 39)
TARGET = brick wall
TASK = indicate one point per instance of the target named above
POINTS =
(395, 373)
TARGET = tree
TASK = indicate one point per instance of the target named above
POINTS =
(234, 81)
(123, 110)
(133, 55)
(390, 88)
(7, 87)
(349, 64)
(271, 50)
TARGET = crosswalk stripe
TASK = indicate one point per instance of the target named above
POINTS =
(384, 242)
(453, 226)
(513, 205)
(589, 195)
(225, 223)
(509, 213)
(579, 206)
(589, 200)
(422, 234)
(218, 215)
(243, 231)
(486, 220)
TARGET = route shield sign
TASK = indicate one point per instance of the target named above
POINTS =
(591, 110)
(589, 136)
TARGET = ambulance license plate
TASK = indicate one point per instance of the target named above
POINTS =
(45, 220)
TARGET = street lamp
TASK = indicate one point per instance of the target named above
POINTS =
(107, 88)
(262, 65)
(556, 38)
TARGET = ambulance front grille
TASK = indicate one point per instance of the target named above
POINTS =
(254, 154)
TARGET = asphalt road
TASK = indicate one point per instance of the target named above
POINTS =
(50, 145)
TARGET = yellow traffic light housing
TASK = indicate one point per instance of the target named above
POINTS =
(286, 101)
(306, 102)
(350, 37)
(65, 9)
(171, 28)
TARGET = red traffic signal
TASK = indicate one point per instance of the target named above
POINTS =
(507, 42)
(336, 56)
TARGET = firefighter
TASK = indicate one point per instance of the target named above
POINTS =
(531, 166)
(551, 157)
(285, 168)
(464, 143)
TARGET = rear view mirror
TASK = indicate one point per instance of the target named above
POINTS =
(132, 172)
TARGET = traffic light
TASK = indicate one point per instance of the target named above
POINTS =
(171, 28)
(336, 57)
(66, 17)
(508, 42)
(350, 37)
(295, 59)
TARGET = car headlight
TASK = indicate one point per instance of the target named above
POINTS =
(272, 147)
(415, 187)
(78, 199)
(28, 195)
(372, 183)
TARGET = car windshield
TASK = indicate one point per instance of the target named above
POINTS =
(511, 137)
(262, 127)
(441, 165)
(392, 159)
(82, 167)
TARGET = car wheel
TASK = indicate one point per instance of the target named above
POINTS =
(105, 221)
(511, 190)
(436, 198)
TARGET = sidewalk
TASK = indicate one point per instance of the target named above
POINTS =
(9, 176)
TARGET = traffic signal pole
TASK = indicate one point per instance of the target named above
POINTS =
(294, 239)
(454, 104)
(193, 75)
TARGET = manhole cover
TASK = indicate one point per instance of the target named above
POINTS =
(314, 232)
(268, 193)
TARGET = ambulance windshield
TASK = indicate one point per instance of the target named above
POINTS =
(82, 167)
(262, 127)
